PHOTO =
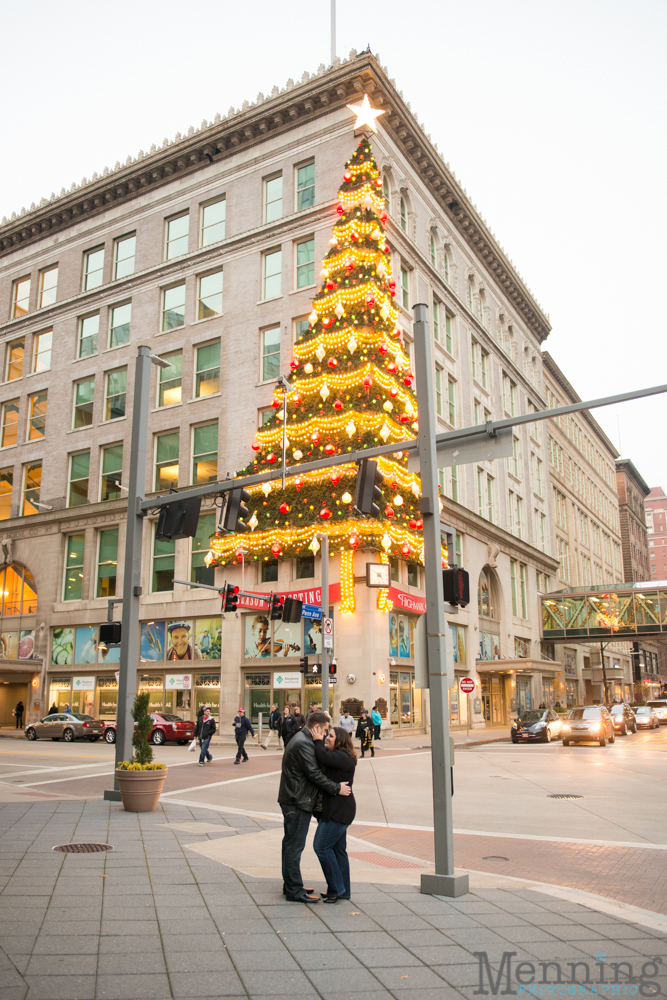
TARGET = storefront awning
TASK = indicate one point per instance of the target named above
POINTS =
(549, 668)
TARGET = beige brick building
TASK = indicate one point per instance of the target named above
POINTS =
(138, 256)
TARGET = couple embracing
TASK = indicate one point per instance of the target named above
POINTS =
(318, 761)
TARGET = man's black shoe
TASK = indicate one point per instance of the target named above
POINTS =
(306, 890)
(237, 761)
(305, 898)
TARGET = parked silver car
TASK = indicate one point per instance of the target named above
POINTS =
(66, 726)
(588, 724)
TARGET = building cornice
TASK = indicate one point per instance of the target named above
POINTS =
(316, 96)
(627, 466)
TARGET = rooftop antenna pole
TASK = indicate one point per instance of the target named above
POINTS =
(333, 30)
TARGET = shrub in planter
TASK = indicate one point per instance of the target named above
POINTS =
(140, 780)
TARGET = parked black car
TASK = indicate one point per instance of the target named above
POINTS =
(537, 724)
(623, 718)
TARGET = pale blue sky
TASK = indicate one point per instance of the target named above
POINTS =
(551, 114)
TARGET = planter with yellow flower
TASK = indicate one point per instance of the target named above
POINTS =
(141, 780)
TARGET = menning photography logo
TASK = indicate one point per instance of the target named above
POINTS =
(560, 979)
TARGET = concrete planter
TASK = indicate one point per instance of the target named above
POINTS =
(140, 790)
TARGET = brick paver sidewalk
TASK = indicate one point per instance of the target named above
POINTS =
(153, 919)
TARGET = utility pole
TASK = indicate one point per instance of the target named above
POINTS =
(333, 30)
(325, 614)
(444, 882)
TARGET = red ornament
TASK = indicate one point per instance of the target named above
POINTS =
(347, 176)
(370, 301)
(412, 524)
(271, 458)
(389, 511)
(332, 363)
(294, 364)
(296, 400)
(387, 250)
(354, 542)
(407, 381)
(276, 404)
(338, 404)
(367, 383)
(420, 524)
(275, 548)
(383, 218)
(349, 267)
(316, 437)
(391, 367)
(325, 513)
(298, 482)
(330, 285)
(284, 508)
(335, 476)
(328, 321)
(256, 446)
(404, 418)
(330, 449)
(406, 550)
(340, 209)
(393, 392)
(383, 349)
(354, 236)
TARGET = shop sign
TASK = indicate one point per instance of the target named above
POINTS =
(83, 683)
(286, 679)
(309, 595)
(407, 602)
(178, 682)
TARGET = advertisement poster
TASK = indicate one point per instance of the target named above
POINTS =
(257, 632)
(85, 648)
(393, 634)
(208, 638)
(62, 650)
(9, 645)
(180, 641)
(403, 636)
(312, 634)
(152, 643)
(286, 639)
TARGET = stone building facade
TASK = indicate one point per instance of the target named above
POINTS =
(206, 250)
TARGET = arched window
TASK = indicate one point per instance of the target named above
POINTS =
(433, 257)
(470, 294)
(17, 590)
(385, 192)
(480, 306)
(446, 259)
(487, 602)
(404, 216)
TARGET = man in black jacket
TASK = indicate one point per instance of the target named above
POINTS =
(242, 726)
(275, 727)
(206, 730)
(300, 782)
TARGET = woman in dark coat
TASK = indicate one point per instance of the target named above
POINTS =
(337, 759)
(365, 734)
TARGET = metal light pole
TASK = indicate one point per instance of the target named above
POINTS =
(444, 882)
(325, 614)
(333, 30)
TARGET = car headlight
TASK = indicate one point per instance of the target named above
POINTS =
(594, 726)
(566, 728)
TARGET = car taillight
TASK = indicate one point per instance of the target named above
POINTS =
(85, 725)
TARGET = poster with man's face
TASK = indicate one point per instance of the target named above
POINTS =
(257, 632)
(180, 641)
(403, 635)
(312, 635)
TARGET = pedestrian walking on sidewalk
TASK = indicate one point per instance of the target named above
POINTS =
(207, 727)
(346, 722)
(313, 708)
(18, 712)
(377, 722)
(53, 710)
(286, 726)
(300, 781)
(275, 726)
(242, 727)
(337, 758)
(365, 734)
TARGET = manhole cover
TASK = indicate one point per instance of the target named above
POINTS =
(82, 848)
(565, 796)
(494, 857)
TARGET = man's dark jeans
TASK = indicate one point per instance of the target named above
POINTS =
(240, 742)
(331, 848)
(296, 823)
(204, 750)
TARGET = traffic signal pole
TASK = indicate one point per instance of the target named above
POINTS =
(444, 882)
(324, 539)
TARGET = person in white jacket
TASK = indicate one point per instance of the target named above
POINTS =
(346, 722)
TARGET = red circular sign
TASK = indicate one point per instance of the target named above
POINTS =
(467, 685)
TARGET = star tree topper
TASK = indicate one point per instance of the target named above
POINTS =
(366, 115)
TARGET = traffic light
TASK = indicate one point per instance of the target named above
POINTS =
(316, 669)
(276, 607)
(333, 667)
(231, 599)
(369, 479)
(303, 664)
(178, 520)
(109, 633)
(456, 586)
(236, 512)
(292, 610)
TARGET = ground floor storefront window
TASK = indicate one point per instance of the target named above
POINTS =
(524, 698)
(405, 700)
(571, 691)
(207, 693)
(548, 696)
(494, 700)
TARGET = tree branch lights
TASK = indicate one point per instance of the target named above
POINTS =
(347, 601)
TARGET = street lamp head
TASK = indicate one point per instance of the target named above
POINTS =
(284, 384)
(159, 362)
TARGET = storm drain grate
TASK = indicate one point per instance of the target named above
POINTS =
(384, 860)
(83, 848)
(567, 796)
(494, 857)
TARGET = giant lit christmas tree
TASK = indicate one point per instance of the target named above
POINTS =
(352, 389)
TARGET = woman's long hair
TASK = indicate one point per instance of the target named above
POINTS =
(344, 742)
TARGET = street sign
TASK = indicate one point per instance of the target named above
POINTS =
(311, 611)
(333, 680)
(327, 631)
(467, 685)
(482, 448)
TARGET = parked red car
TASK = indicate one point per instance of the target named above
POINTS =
(166, 729)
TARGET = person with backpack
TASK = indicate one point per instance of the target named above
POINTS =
(207, 728)
(242, 726)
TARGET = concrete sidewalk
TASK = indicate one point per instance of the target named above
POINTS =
(156, 918)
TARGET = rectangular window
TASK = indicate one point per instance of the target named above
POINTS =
(21, 298)
(405, 290)
(451, 399)
(209, 300)
(207, 375)
(524, 595)
(480, 493)
(513, 462)
(509, 395)
(300, 328)
(199, 571)
(413, 574)
(305, 568)
(213, 218)
(177, 236)
(514, 573)
(170, 380)
(173, 307)
(32, 481)
(264, 416)
(448, 333)
(269, 571)
(84, 392)
(48, 287)
(272, 264)
(73, 588)
(205, 454)
(395, 570)
(115, 394)
(436, 319)
(166, 461)
(455, 488)
(112, 472)
(473, 355)
(489, 497)
(271, 353)
(107, 563)
(79, 473)
(124, 251)
(89, 328)
(6, 487)
(15, 353)
(10, 423)
(273, 199)
(164, 556)
(563, 558)
(119, 329)
(305, 187)
(438, 391)
(93, 272)
(41, 361)
(519, 517)
(484, 358)
(305, 263)
(37, 415)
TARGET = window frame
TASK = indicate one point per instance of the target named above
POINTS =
(6, 476)
(168, 222)
(405, 287)
(162, 380)
(36, 341)
(33, 418)
(102, 474)
(90, 336)
(74, 566)
(266, 254)
(118, 241)
(107, 562)
(4, 423)
(107, 397)
(42, 290)
(218, 200)
(79, 479)
(202, 371)
(16, 284)
(309, 264)
(204, 454)
(265, 200)
(75, 405)
(164, 310)
(25, 489)
(201, 299)
(298, 191)
(263, 355)
(87, 254)
(20, 341)
(165, 462)
(112, 309)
